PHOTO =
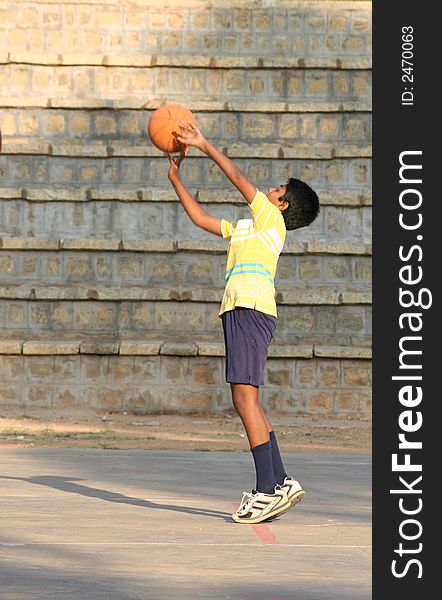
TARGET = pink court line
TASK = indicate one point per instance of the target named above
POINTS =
(262, 530)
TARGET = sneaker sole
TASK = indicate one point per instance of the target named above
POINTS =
(278, 510)
(297, 497)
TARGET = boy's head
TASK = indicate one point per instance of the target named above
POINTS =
(297, 201)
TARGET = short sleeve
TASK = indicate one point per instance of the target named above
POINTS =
(263, 211)
(226, 229)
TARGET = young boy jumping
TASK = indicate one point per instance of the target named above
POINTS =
(248, 310)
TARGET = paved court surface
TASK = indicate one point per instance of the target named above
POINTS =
(126, 525)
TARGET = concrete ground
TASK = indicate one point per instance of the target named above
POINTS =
(155, 525)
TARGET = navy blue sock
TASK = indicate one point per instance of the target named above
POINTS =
(265, 479)
(278, 467)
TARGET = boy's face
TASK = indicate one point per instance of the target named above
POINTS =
(275, 194)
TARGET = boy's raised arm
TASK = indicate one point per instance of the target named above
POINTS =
(196, 213)
(192, 136)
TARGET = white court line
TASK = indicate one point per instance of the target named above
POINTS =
(217, 504)
(191, 502)
(172, 499)
(187, 544)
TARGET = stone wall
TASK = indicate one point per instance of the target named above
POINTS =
(98, 261)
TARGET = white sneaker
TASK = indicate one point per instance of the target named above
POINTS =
(293, 490)
(257, 506)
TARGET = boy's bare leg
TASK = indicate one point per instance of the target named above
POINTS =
(245, 400)
(269, 425)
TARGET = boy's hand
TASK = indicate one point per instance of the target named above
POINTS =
(191, 135)
(174, 164)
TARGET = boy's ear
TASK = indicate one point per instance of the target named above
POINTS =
(283, 205)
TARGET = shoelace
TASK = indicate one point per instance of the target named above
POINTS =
(247, 498)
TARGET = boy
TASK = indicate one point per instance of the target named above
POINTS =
(248, 310)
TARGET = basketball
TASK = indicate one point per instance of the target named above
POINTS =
(164, 126)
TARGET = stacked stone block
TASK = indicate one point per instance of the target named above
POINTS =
(98, 261)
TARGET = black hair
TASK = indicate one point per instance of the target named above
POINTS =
(303, 204)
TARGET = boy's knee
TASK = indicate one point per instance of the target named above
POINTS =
(240, 403)
(244, 397)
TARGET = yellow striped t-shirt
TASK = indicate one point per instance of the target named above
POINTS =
(252, 255)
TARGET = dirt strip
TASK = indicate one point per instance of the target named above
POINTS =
(84, 428)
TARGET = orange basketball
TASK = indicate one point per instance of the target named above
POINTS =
(164, 127)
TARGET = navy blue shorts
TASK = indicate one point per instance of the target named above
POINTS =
(247, 335)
